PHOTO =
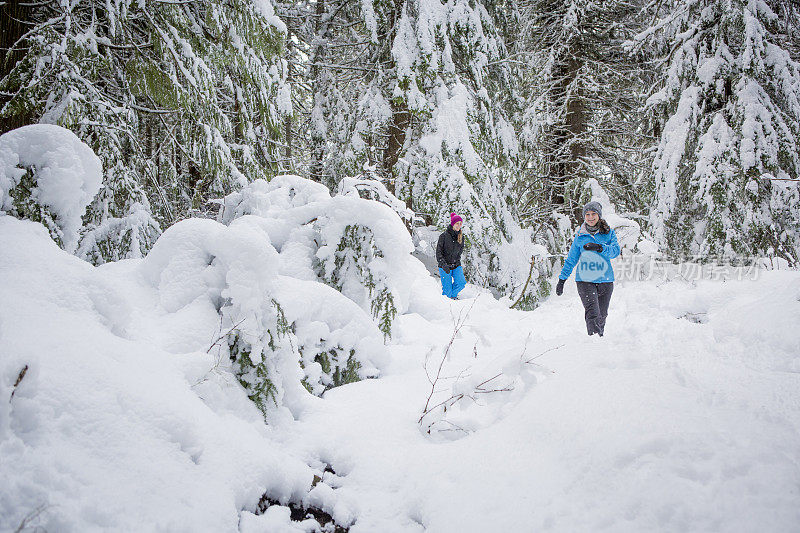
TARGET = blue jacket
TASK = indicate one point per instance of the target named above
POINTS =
(592, 266)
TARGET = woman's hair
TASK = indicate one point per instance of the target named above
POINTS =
(460, 237)
(603, 225)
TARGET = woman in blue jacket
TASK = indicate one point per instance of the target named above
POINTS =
(592, 250)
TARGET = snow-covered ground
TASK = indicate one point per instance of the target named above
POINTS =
(665, 424)
(684, 417)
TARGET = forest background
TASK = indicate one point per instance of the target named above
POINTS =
(511, 113)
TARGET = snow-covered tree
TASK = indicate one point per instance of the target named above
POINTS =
(438, 99)
(582, 91)
(49, 176)
(179, 100)
(329, 58)
(418, 95)
(727, 111)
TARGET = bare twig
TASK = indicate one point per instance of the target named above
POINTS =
(480, 387)
(224, 335)
(459, 323)
(31, 516)
(529, 361)
(218, 358)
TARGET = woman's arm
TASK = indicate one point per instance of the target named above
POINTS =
(571, 260)
(440, 253)
(611, 250)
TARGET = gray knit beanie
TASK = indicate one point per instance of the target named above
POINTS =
(593, 206)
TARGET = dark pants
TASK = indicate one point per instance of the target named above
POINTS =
(595, 298)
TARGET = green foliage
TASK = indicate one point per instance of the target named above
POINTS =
(254, 377)
(27, 207)
(384, 310)
(338, 369)
(354, 253)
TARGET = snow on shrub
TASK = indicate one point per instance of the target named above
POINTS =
(281, 334)
(336, 340)
(373, 189)
(48, 175)
(103, 428)
(358, 246)
(628, 231)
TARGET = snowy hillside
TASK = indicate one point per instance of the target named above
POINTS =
(116, 415)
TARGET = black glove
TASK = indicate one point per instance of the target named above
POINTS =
(560, 287)
(593, 246)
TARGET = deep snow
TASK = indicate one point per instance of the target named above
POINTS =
(665, 424)
(684, 417)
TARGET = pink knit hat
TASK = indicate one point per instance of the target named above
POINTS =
(455, 218)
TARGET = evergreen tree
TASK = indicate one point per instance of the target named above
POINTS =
(420, 96)
(727, 110)
(180, 100)
(441, 97)
(331, 62)
(582, 89)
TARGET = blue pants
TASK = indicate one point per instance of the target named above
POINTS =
(453, 282)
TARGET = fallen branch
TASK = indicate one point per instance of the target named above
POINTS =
(479, 388)
(31, 516)
(527, 281)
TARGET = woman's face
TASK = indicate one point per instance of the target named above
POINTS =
(591, 218)
(457, 225)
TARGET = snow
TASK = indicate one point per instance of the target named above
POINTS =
(67, 172)
(307, 226)
(267, 10)
(451, 126)
(107, 429)
(685, 416)
(664, 424)
(275, 520)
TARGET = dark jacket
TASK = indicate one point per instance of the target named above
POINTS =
(448, 250)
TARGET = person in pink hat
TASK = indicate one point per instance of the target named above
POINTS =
(448, 256)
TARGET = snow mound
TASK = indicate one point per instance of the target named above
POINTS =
(286, 335)
(65, 176)
(100, 428)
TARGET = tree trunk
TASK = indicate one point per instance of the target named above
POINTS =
(14, 17)
(568, 137)
(287, 120)
(318, 79)
(401, 118)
